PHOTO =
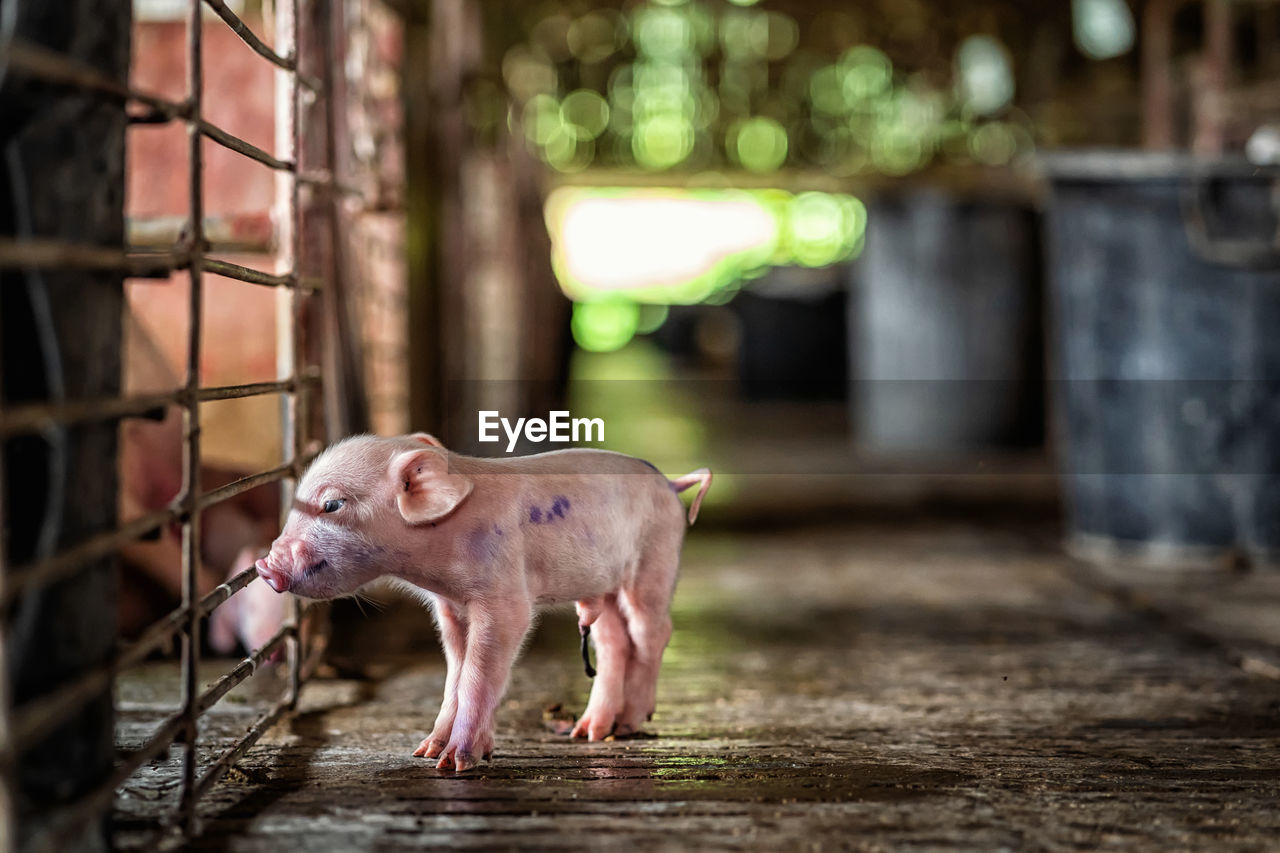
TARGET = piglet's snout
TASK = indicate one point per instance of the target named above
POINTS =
(274, 576)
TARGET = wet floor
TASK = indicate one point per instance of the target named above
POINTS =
(929, 685)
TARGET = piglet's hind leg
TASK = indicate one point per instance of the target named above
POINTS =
(648, 624)
(613, 648)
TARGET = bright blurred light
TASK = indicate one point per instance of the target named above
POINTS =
(1102, 28)
(676, 246)
(663, 246)
(985, 75)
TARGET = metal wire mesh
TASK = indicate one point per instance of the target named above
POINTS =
(299, 388)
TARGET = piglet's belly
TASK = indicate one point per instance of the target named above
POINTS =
(575, 575)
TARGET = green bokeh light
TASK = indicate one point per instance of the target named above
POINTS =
(542, 119)
(662, 141)
(759, 143)
(586, 111)
(866, 73)
(826, 91)
(823, 228)
(606, 325)
(662, 33)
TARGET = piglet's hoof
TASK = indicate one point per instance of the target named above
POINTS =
(429, 748)
(457, 761)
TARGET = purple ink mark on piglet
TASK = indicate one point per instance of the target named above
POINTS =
(559, 509)
(481, 545)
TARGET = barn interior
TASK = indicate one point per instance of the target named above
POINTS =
(969, 307)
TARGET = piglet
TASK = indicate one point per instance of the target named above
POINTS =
(484, 541)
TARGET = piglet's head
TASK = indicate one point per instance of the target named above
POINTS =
(356, 511)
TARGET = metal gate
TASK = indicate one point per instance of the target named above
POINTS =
(307, 193)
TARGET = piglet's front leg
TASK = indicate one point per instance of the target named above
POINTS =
(453, 637)
(495, 630)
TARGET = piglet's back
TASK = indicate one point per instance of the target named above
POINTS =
(575, 461)
(627, 483)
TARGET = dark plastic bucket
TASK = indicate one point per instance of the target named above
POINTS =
(945, 325)
(1165, 309)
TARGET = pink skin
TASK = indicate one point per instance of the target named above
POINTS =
(485, 541)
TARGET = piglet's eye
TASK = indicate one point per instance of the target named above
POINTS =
(334, 505)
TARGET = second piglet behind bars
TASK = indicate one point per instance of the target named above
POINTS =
(487, 540)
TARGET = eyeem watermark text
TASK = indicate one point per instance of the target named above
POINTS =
(559, 426)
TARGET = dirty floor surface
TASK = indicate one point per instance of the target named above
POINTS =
(923, 686)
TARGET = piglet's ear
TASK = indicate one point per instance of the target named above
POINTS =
(427, 439)
(425, 488)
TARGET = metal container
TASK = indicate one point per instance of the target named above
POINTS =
(1165, 282)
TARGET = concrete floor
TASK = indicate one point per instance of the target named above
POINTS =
(920, 685)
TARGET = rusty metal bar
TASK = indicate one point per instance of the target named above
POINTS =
(162, 631)
(191, 423)
(256, 731)
(47, 571)
(50, 569)
(36, 417)
(260, 726)
(39, 62)
(290, 304)
(241, 146)
(248, 274)
(244, 484)
(35, 719)
(255, 389)
(286, 62)
(92, 802)
(48, 253)
(242, 670)
(42, 715)
(241, 29)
